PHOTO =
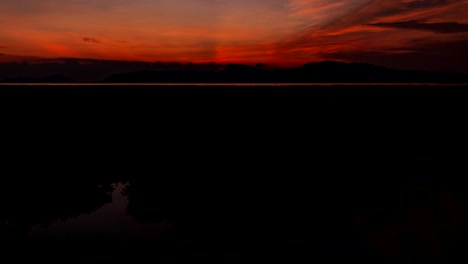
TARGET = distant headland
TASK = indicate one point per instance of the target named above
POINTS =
(316, 72)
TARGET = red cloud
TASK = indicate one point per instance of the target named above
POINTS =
(287, 32)
(383, 30)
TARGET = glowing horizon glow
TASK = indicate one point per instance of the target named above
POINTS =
(269, 31)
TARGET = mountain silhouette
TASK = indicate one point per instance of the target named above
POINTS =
(48, 79)
(321, 72)
(316, 72)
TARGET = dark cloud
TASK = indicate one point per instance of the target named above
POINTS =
(361, 36)
(375, 9)
(91, 40)
(442, 28)
(426, 3)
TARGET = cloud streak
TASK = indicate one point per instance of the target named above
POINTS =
(91, 40)
(389, 32)
(286, 32)
(442, 27)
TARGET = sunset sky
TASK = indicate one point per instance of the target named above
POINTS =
(426, 34)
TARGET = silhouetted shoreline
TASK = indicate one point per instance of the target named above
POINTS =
(321, 72)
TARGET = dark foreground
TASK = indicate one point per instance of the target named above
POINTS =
(234, 174)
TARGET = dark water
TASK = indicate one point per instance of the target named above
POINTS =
(179, 174)
(323, 218)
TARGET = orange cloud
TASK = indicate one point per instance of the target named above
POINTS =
(284, 32)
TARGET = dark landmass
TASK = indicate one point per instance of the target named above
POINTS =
(120, 72)
(89, 70)
(48, 79)
(323, 72)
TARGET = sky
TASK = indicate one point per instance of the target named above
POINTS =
(422, 34)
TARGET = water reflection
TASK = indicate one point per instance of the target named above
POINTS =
(86, 219)
(232, 84)
(104, 222)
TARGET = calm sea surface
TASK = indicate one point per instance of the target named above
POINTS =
(257, 176)
(149, 220)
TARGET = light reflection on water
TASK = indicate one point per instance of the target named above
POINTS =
(327, 220)
(232, 84)
(110, 220)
